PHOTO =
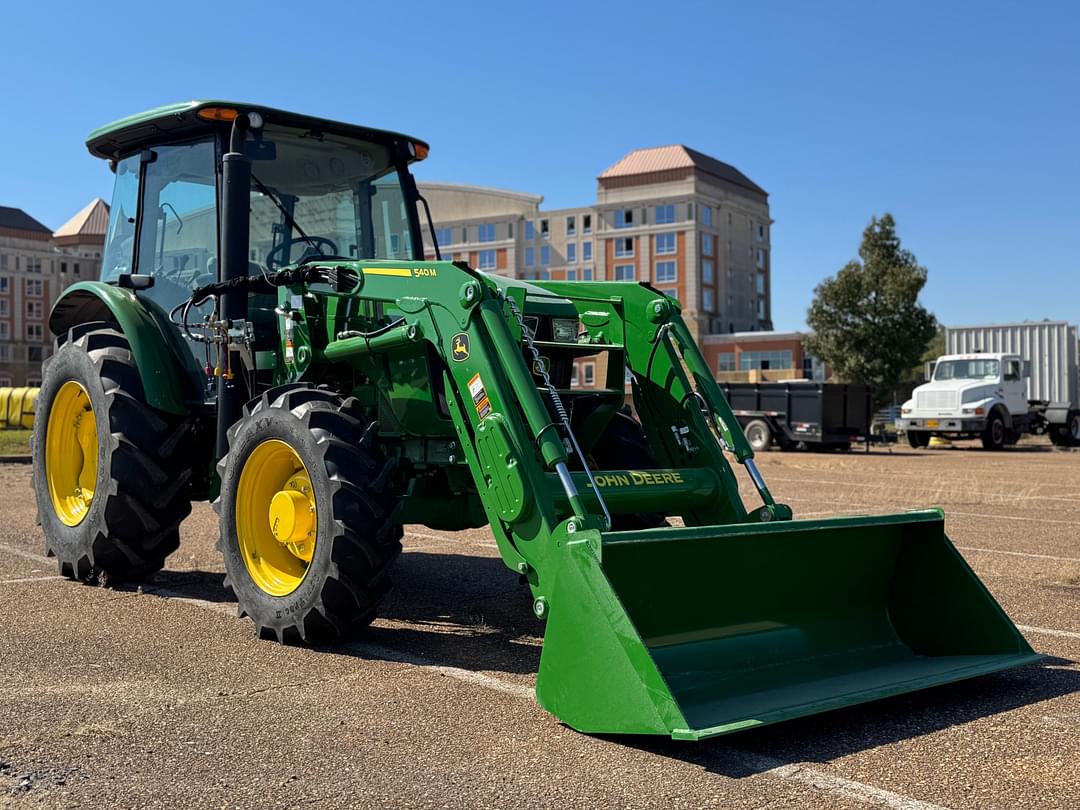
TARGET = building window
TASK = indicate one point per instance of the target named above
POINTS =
(487, 259)
(665, 243)
(5, 380)
(586, 223)
(33, 265)
(33, 287)
(545, 232)
(34, 309)
(545, 255)
(707, 244)
(760, 232)
(571, 226)
(760, 259)
(707, 271)
(588, 374)
(665, 214)
(530, 230)
(4, 284)
(33, 380)
(5, 355)
(761, 309)
(624, 218)
(665, 273)
(725, 361)
(530, 256)
(33, 331)
(624, 246)
(765, 360)
(545, 275)
(63, 268)
(586, 274)
(5, 330)
(444, 236)
(706, 215)
(708, 303)
(571, 253)
(4, 308)
(35, 354)
(728, 247)
(571, 275)
(76, 269)
(486, 232)
(760, 286)
(3, 261)
(625, 272)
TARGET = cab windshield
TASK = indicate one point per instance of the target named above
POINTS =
(315, 194)
(967, 370)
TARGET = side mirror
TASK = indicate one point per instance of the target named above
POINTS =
(1025, 369)
(133, 281)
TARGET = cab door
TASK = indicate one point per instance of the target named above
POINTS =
(1014, 385)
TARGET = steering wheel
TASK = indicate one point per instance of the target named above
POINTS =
(275, 258)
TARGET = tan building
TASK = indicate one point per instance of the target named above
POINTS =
(688, 224)
(36, 265)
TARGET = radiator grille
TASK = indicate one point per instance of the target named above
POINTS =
(937, 400)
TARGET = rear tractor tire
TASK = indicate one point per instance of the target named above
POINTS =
(308, 524)
(110, 473)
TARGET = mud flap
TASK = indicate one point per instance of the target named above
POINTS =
(702, 631)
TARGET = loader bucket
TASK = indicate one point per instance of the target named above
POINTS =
(697, 632)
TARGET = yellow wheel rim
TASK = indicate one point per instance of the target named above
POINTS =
(71, 453)
(276, 519)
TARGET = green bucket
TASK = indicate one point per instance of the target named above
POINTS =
(702, 631)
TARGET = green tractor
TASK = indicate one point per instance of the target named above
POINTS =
(268, 334)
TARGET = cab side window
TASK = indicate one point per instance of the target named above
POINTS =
(1012, 371)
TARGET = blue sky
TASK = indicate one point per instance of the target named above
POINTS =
(959, 118)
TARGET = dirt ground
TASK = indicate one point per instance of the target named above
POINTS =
(162, 697)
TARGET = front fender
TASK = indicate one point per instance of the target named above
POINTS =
(170, 377)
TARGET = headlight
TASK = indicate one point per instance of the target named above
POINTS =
(565, 330)
(905, 411)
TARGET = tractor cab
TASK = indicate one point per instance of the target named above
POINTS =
(317, 189)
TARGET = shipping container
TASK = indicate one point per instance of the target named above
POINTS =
(1050, 347)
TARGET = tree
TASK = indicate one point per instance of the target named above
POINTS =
(866, 320)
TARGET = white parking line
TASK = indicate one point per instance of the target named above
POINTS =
(28, 579)
(837, 785)
(1047, 631)
(1018, 554)
(29, 555)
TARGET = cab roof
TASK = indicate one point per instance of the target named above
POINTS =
(177, 121)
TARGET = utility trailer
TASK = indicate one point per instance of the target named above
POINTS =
(998, 382)
(825, 416)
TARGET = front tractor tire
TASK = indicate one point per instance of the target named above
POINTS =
(307, 514)
(110, 473)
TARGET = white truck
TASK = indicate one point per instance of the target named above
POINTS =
(984, 395)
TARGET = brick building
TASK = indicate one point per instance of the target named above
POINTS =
(36, 265)
(692, 226)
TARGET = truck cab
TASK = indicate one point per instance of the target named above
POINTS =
(979, 395)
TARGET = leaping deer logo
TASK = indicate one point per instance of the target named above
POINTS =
(459, 347)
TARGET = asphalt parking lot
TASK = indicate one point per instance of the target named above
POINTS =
(161, 697)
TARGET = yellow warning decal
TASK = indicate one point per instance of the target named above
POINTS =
(479, 396)
(401, 272)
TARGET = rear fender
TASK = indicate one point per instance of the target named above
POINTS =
(169, 374)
